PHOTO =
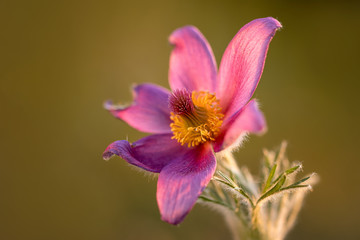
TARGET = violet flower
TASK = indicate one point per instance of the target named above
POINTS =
(206, 112)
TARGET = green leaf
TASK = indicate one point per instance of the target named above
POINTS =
(294, 187)
(231, 182)
(224, 182)
(274, 189)
(206, 199)
(291, 170)
(270, 178)
(300, 181)
(242, 186)
(233, 185)
(267, 161)
(287, 172)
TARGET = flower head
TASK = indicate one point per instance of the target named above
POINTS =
(206, 112)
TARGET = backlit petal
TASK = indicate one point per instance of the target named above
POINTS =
(192, 63)
(249, 120)
(151, 153)
(243, 62)
(182, 181)
(149, 112)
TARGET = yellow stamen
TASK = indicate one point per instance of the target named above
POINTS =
(200, 124)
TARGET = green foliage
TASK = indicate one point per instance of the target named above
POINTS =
(264, 209)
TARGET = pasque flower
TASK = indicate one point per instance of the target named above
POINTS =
(206, 112)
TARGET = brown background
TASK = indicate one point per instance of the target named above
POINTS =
(59, 60)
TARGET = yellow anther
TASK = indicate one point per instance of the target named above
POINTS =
(201, 123)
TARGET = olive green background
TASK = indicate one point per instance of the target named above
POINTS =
(60, 60)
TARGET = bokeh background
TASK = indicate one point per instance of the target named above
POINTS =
(59, 61)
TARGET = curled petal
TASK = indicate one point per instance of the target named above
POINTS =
(192, 63)
(149, 112)
(151, 153)
(182, 181)
(249, 120)
(243, 62)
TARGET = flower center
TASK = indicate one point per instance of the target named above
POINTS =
(196, 117)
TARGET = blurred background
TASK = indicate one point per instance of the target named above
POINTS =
(60, 60)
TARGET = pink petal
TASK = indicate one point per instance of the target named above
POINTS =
(151, 153)
(243, 62)
(192, 63)
(182, 181)
(149, 112)
(249, 120)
